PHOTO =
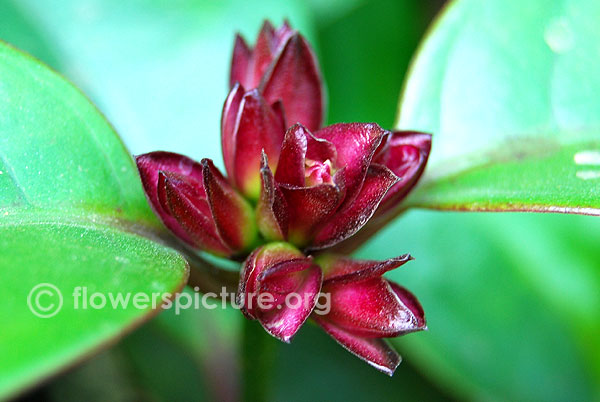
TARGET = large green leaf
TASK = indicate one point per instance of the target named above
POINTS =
(157, 69)
(507, 89)
(511, 301)
(510, 92)
(71, 213)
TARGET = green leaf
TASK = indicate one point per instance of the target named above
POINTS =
(509, 90)
(511, 302)
(374, 81)
(71, 213)
(158, 70)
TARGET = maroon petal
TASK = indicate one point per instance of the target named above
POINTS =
(372, 308)
(287, 317)
(233, 215)
(319, 149)
(250, 65)
(355, 144)
(181, 196)
(282, 35)
(263, 55)
(375, 351)
(248, 283)
(295, 80)
(299, 145)
(149, 166)
(277, 270)
(308, 207)
(271, 210)
(229, 117)
(281, 264)
(259, 261)
(259, 127)
(355, 215)
(293, 152)
(240, 62)
(343, 269)
(282, 278)
(405, 153)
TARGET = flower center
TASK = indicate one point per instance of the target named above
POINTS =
(316, 172)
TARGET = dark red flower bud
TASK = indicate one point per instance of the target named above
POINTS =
(312, 187)
(330, 187)
(196, 203)
(405, 153)
(184, 200)
(355, 145)
(279, 288)
(365, 307)
(284, 68)
(309, 202)
(248, 66)
(295, 80)
(249, 126)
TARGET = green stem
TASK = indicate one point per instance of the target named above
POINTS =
(258, 354)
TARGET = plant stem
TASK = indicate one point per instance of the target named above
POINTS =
(258, 358)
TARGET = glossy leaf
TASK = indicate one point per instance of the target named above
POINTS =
(511, 302)
(510, 92)
(69, 255)
(71, 213)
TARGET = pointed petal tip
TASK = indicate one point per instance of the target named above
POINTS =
(267, 26)
(388, 370)
(239, 37)
(264, 162)
(377, 352)
(240, 60)
(207, 167)
(283, 338)
(295, 79)
(342, 269)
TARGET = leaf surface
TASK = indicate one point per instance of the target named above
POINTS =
(509, 91)
(72, 215)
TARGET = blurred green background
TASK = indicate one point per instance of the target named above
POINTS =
(508, 297)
